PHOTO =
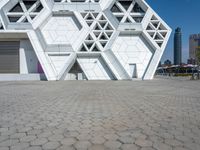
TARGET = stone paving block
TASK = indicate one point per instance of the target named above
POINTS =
(28, 138)
(65, 147)
(17, 135)
(82, 145)
(97, 140)
(166, 135)
(20, 146)
(24, 129)
(162, 146)
(34, 148)
(9, 132)
(126, 140)
(56, 137)
(71, 134)
(112, 144)
(155, 138)
(68, 141)
(192, 146)
(39, 141)
(184, 138)
(51, 145)
(3, 129)
(147, 148)
(83, 137)
(180, 148)
(173, 142)
(45, 134)
(111, 136)
(129, 147)
(4, 148)
(144, 143)
(4, 137)
(97, 147)
(34, 132)
(9, 142)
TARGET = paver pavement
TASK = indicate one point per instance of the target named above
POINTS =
(100, 115)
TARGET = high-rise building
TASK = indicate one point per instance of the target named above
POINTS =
(177, 46)
(194, 45)
(80, 39)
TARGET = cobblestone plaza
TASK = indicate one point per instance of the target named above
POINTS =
(162, 114)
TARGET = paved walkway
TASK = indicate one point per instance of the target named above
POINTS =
(107, 115)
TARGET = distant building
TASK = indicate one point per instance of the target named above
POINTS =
(167, 63)
(194, 44)
(191, 61)
(160, 64)
(178, 47)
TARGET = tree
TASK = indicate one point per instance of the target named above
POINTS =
(198, 59)
(198, 55)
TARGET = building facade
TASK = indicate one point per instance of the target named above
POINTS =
(80, 39)
(194, 45)
(177, 47)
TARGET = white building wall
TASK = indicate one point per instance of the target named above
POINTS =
(133, 50)
(28, 59)
(85, 30)
(95, 68)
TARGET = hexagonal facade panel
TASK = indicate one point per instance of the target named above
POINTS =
(134, 53)
(61, 29)
(83, 39)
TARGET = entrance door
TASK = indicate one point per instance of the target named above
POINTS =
(133, 70)
(9, 57)
(76, 73)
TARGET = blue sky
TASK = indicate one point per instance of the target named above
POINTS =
(178, 13)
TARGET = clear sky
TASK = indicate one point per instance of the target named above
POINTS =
(178, 13)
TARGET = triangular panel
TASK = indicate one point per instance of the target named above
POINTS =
(75, 72)
(59, 61)
(95, 68)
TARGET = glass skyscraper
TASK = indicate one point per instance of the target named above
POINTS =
(178, 47)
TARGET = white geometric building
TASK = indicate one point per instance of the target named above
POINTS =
(80, 39)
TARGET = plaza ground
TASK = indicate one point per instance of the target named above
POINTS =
(162, 114)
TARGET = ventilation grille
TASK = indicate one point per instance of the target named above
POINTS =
(101, 29)
(24, 11)
(157, 31)
(76, 1)
(128, 11)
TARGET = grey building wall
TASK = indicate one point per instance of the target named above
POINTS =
(9, 56)
(194, 43)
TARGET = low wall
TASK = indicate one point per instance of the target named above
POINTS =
(173, 77)
(22, 77)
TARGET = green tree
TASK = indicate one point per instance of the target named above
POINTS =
(198, 59)
(198, 55)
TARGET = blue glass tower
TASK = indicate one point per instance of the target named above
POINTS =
(178, 47)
